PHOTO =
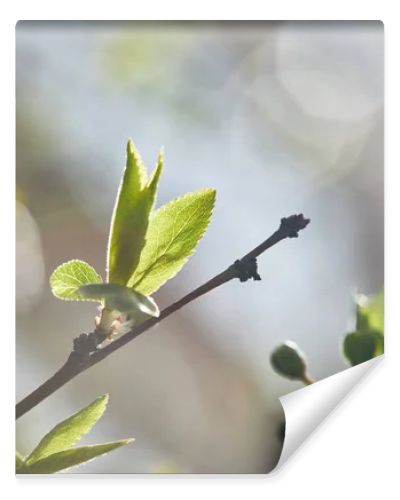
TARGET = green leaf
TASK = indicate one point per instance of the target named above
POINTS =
(130, 218)
(172, 236)
(359, 347)
(67, 433)
(121, 298)
(374, 309)
(67, 278)
(69, 458)
(362, 319)
(19, 461)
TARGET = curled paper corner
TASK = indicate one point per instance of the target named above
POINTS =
(306, 408)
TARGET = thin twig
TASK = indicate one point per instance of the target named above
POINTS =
(244, 269)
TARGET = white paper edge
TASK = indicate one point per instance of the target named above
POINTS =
(306, 408)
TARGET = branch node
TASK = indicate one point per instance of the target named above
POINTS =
(290, 226)
(85, 344)
(246, 269)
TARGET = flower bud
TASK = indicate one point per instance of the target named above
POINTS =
(359, 347)
(289, 361)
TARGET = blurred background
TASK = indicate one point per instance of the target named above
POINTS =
(280, 118)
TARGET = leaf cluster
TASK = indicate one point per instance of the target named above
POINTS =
(55, 451)
(146, 247)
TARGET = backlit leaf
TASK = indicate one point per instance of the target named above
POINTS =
(70, 458)
(130, 218)
(373, 309)
(67, 433)
(173, 234)
(68, 277)
(19, 461)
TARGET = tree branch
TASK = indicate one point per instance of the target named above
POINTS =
(86, 353)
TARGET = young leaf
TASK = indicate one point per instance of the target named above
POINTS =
(67, 433)
(69, 458)
(130, 218)
(172, 236)
(68, 277)
(373, 309)
(19, 461)
(121, 298)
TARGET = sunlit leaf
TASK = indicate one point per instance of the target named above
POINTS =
(67, 433)
(172, 236)
(68, 277)
(66, 459)
(373, 308)
(19, 461)
(130, 218)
